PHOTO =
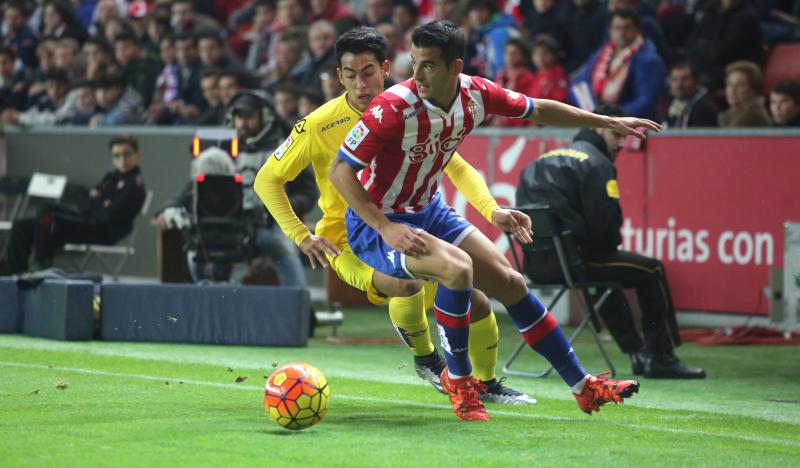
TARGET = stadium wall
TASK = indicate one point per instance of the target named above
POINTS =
(711, 204)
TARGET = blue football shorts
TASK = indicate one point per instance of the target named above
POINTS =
(437, 219)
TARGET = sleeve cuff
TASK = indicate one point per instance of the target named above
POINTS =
(351, 159)
(529, 107)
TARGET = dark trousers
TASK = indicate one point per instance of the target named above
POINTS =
(52, 227)
(631, 271)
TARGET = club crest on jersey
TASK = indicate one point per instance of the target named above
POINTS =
(472, 108)
(377, 112)
(356, 135)
(287, 143)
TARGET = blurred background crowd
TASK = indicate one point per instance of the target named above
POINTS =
(730, 63)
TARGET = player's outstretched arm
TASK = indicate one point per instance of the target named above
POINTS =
(270, 188)
(399, 236)
(555, 113)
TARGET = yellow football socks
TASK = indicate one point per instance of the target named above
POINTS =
(408, 317)
(483, 339)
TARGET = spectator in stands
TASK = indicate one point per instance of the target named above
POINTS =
(157, 27)
(189, 68)
(516, 76)
(83, 103)
(114, 27)
(321, 36)
(450, 10)
(139, 69)
(587, 30)
(118, 104)
(744, 84)
(287, 98)
(48, 108)
(211, 50)
(310, 100)
(104, 216)
(231, 82)
(626, 71)
(99, 59)
(330, 84)
(13, 93)
(16, 35)
(104, 11)
(167, 86)
(290, 13)
(137, 12)
(402, 68)
(376, 12)
(579, 184)
(185, 19)
(58, 20)
(544, 18)
(214, 112)
(291, 61)
(395, 39)
(334, 11)
(261, 35)
(45, 56)
(550, 80)
(692, 105)
(489, 30)
(728, 31)
(66, 56)
(405, 15)
(647, 23)
(784, 103)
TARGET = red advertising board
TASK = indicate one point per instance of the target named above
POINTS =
(711, 208)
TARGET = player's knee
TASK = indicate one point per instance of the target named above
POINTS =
(515, 281)
(457, 272)
(481, 306)
(409, 288)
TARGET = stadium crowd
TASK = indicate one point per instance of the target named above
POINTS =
(178, 62)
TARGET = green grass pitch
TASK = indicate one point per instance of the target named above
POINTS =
(127, 404)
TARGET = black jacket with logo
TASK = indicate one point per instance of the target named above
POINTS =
(580, 185)
(121, 198)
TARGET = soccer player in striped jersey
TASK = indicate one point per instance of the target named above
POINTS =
(314, 141)
(398, 224)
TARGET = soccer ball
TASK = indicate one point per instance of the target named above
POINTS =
(296, 395)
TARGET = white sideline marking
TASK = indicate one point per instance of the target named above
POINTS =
(693, 432)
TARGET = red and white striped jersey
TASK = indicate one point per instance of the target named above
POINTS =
(403, 142)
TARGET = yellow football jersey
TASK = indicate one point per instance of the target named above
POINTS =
(315, 140)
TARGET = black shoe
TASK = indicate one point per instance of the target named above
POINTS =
(667, 366)
(430, 367)
(497, 392)
(639, 361)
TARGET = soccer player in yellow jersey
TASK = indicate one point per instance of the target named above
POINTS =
(315, 140)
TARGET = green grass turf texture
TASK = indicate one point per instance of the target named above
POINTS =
(134, 404)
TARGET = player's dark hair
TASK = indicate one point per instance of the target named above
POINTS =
(609, 110)
(788, 87)
(442, 35)
(124, 140)
(625, 13)
(359, 40)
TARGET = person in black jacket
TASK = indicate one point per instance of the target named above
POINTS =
(104, 216)
(692, 105)
(580, 185)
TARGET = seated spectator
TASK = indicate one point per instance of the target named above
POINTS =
(287, 98)
(376, 12)
(213, 113)
(309, 101)
(167, 86)
(579, 183)
(330, 84)
(626, 71)
(13, 92)
(550, 81)
(692, 105)
(114, 27)
(489, 30)
(450, 10)
(59, 21)
(83, 104)
(104, 11)
(99, 58)
(104, 216)
(405, 15)
(259, 38)
(648, 24)
(66, 56)
(744, 83)
(516, 76)
(16, 35)
(231, 82)
(728, 31)
(321, 36)
(395, 38)
(334, 11)
(189, 68)
(291, 61)
(543, 18)
(784, 103)
(139, 69)
(588, 28)
(212, 51)
(185, 19)
(117, 104)
(49, 108)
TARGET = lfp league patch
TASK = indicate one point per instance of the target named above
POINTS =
(283, 147)
(356, 135)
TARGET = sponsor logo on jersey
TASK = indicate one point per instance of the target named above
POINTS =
(287, 143)
(300, 126)
(333, 124)
(377, 112)
(356, 135)
(414, 113)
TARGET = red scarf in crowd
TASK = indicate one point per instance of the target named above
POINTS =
(611, 70)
